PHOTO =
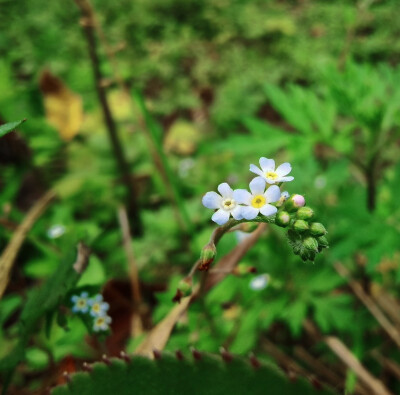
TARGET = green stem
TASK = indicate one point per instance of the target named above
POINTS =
(171, 184)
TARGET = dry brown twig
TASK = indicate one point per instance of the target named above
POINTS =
(159, 335)
(88, 22)
(92, 21)
(327, 373)
(136, 322)
(9, 254)
(369, 303)
(372, 384)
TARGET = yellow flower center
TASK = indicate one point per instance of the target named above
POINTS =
(82, 303)
(96, 307)
(100, 321)
(271, 175)
(258, 201)
(228, 204)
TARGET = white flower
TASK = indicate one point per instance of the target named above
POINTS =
(258, 200)
(97, 306)
(260, 282)
(101, 323)
(81, 303)
(55, 231)
(270, 174)
(225, 203)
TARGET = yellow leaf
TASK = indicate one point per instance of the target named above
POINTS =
(182, 138)
(63, 107)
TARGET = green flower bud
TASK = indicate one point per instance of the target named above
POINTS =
(185, 286)
(310, 244)
(294, 203)
(243, 269)
(207, 256)
(248, 227)
(323, 242)
(307, 255)
(282, 218)
(305, 213)
(184, 289)
(300, 225)
(317, 229)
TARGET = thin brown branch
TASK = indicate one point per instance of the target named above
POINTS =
(368, 302)
(325, 372)
(157, 160)
(136, 324)
(389, 305)
(88, 24)
(374, 385)
(339, 348)
(390, 365)
(159, 335)
(9, 254)
(282, 359)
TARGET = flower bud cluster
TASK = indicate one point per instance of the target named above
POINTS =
(306, 236)
(93, 307)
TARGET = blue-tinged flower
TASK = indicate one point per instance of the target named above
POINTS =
(270, 174)
(81, 303)
(225, 203)
(55, 231)
(101, 323)
(285, 195)
(260, 282)
(97, 306)
(258, 201)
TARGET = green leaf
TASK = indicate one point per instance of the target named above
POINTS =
(44, 301)
(9, 127)
(168, 375)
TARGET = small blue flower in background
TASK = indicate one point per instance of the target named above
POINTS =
(260, 282)
(98, 308)
(101, 323)
(81, 303)
(55, 231)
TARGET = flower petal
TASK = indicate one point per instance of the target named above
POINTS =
(254, 169)
(225, 190)
(237, 212)
(242, 196)
(285, 179)
(283, 169)
(257, 186)
(273, 194)
(249, 212)
(211, 200)
(220, 217)
(268, 210)
(267, 164)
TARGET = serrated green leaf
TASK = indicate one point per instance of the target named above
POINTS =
(210, 375)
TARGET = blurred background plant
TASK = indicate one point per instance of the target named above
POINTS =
(136, 109)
